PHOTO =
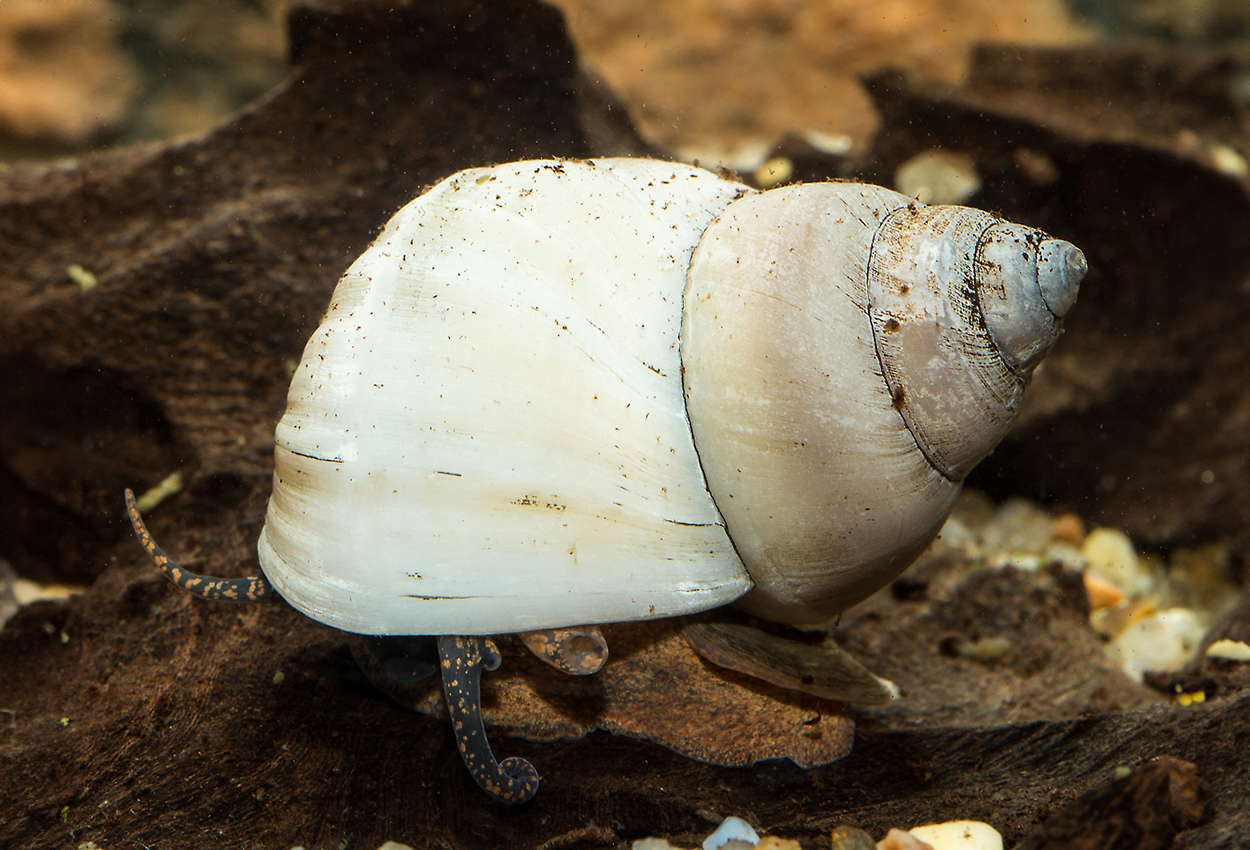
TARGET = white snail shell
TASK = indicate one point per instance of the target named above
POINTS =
(555, 392)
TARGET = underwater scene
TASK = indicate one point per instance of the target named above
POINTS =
(786, 424)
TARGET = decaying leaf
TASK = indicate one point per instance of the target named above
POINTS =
(655, 687)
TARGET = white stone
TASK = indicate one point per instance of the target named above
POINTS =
(731, 829)
(1165, 640)
(960, 835)
(1233, 650)
(1111, 557)
(938, 177)
(652, 844)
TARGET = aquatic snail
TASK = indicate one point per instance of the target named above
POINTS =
(557, 393)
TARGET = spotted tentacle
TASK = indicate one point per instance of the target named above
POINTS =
(462, 659)
(248, 589)
(578, 651)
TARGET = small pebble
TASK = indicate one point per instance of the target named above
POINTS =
(960, 835)
(1111, 621)
(851, 838)
(1068, 528)
(170, 485)
(1165, 640)
(1037, 166)
(1228, 161)
(25, 591)
(776, 171)
(1194, 698)
(837, 144)
(1233, 650)
(8, 596)
(896, 839)
(1112, 558)
(731, 830)
(772, 842)
(652, 844)
(1101, 592)
(938, 177)
(86, 280)
(984, 649)
(744, 157)
(1019, 528)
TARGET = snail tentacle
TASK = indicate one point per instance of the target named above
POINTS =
(462, 658)
(247, 589)
(578, 651)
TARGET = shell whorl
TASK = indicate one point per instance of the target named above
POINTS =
(842, 379)
(960, 319)
(487, 432)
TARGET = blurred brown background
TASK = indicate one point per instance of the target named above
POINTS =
(709, 79)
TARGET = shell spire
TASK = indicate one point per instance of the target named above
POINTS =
(850, 355)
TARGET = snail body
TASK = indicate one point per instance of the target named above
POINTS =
(555, 393)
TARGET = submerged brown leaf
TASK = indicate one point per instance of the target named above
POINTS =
(822, 668)
(655, 687)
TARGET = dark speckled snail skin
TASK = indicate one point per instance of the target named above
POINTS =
(555, 393)
(463, 658)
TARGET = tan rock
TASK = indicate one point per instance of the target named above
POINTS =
(62, 73)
